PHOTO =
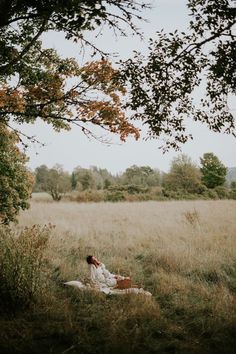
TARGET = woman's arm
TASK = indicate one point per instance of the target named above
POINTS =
(106, 272)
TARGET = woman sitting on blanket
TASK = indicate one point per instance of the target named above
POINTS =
(101, 277)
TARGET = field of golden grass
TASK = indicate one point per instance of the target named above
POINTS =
(196, 236)
(184, 252)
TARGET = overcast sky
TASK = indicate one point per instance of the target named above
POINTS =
(72, 148)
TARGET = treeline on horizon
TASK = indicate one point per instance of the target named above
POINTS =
(184, 180)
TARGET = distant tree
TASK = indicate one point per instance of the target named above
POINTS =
(15, 180)
(73, 181)
(86, 180)
(54, 181)
(231, 175)
(107, 183)
(233, 190)
(106, 178)
(97, 177)
(84, 177)
(58, 182)
(141, 176)
(184, 175)
(41, 175)
(92, 178)
(213, 170)
(154, 178)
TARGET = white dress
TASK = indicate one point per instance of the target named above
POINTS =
(101, 277)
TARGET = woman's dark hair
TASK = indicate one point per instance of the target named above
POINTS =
(89, 259)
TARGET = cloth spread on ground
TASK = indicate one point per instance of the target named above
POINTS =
(106, 289)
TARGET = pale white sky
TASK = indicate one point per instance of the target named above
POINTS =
(72, 148)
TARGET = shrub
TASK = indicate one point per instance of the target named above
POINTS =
(179, 195)
(85, 196)
(170, 194)
(21, 265)
(90, 196)
(157, 191)
(232, 194)
(210, 194)
(222, 192)
(202, 189)
(192, 218)
(115, 196)
(135, 189)
(117, 187)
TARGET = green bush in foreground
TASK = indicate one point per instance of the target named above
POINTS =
(21, 264)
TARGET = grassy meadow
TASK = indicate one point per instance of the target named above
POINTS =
(184, 252)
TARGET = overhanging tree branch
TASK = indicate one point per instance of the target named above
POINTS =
(198, 45)
(5, 67)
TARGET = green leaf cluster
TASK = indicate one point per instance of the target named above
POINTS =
(15, 180)
(179, 64)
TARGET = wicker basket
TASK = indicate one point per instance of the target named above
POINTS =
(124, 283)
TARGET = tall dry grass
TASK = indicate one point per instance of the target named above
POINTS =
(184, 236)
(183, 252)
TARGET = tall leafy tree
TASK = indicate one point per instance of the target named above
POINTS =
(15, 180)
(37, 83)
(213, 170)
(163, 82)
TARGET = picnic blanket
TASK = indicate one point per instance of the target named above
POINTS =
(107, 290)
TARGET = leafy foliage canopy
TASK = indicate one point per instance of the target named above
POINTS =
(179, 64)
